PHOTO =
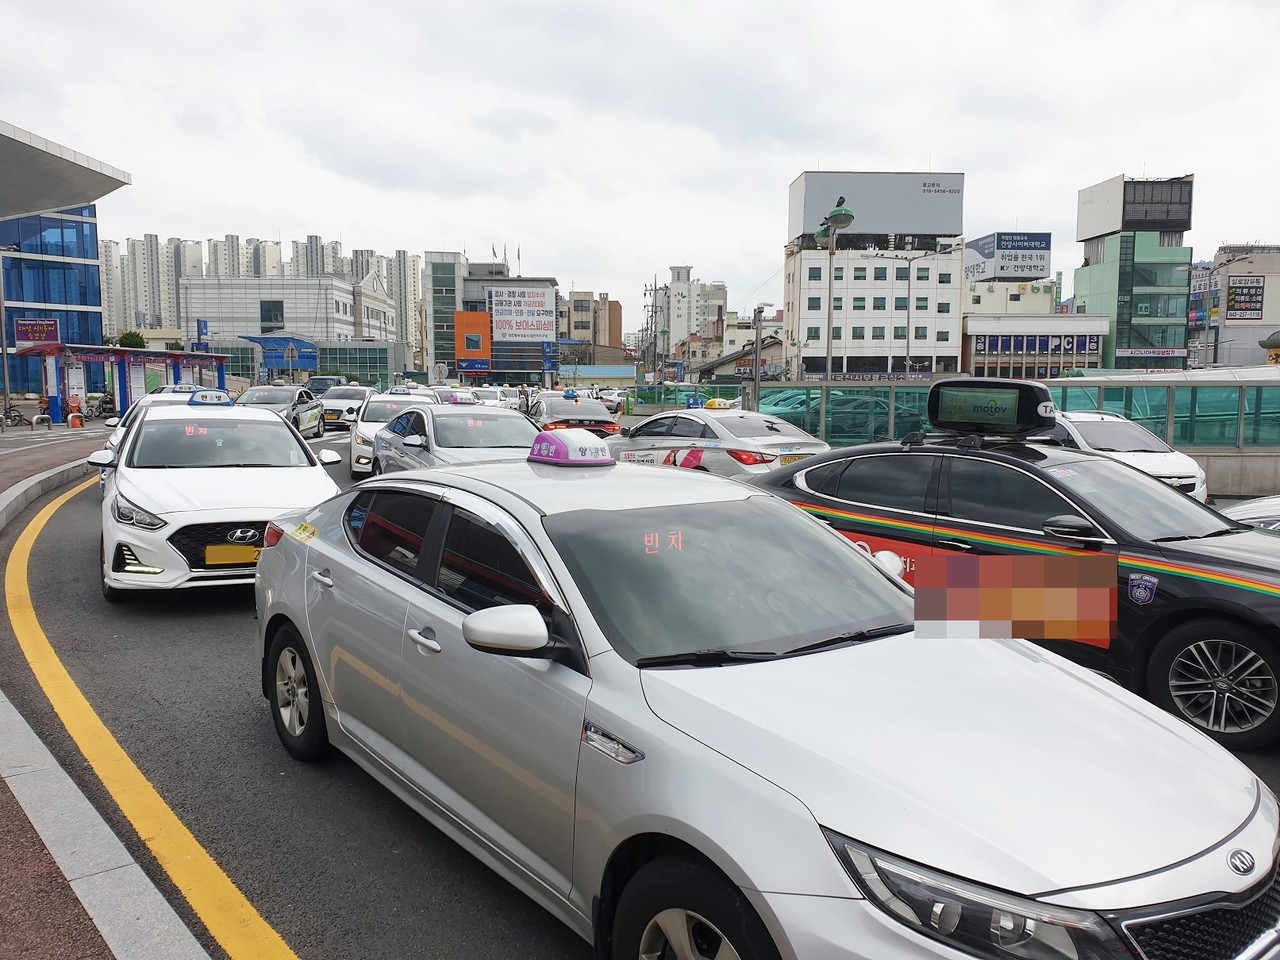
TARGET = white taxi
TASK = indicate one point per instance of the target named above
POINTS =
(374, 414)
(189, 493)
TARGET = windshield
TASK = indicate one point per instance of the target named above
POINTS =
(483, 430)
(745, 426)
(382, 411)
(267, 395)
(1120, 436)
(559, 408)
(345, 393)
(748, 574)
(1148, 509)
(487, 394)
(217, 443)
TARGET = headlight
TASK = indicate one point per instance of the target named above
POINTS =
(361, 441)
(126, 512)
(973, 919)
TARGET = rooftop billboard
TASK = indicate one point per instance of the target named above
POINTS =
(927, 204)
(1007, 256)
(1125, 204)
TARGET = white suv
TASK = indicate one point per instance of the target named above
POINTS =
(1121, 439)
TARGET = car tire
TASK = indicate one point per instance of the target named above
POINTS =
(1217, 673)
(375, 469)
(676, 893)
(320, 428)
(296, 708)
(109, 593)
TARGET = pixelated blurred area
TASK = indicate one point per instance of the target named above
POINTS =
(1034, 598)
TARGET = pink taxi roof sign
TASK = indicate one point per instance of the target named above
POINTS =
(459, 397)
(570, 448)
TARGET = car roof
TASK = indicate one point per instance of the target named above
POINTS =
(472, 410)
(1035, 455)
(562, 489)
(206, 411)
(1095, 415)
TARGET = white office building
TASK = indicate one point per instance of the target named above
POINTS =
(112, 288)
(312, 307)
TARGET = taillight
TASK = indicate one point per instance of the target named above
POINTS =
(750, 457)
(555, 426)
(610, 427)
(272, 535)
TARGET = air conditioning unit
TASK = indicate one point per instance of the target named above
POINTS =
(991, 288)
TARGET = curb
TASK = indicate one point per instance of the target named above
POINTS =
(130, 913)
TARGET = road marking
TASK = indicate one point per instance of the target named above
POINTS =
(224, 910)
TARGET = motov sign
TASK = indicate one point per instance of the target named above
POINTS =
(523, 313)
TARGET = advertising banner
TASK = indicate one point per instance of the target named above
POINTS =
(1151, 352)
(29, 330)
(1244, 298)
(472, 366)
(930, 204)
(1008, 256)
(523, 314)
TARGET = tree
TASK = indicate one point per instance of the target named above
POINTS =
(131, 338)
(174, 345)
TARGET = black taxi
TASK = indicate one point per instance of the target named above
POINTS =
(1198, 597)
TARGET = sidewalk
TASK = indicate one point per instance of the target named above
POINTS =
(69, 890)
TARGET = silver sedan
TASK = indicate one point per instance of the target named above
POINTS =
(427, 436)
(670, 708)
(727, 442)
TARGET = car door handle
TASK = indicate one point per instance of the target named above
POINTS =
(955, 544)
(321, 578)
(425, 639)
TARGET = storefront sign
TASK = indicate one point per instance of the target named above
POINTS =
(1244, 298)
(28, 330)
(1151, 352)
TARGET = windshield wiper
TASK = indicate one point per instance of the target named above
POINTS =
(1200, 536)
(852, 637)
(705, 658)
(1224, 531)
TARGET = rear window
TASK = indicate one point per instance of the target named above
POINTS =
(577, 410)
(743, 426)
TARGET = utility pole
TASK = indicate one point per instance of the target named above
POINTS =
(758, 320)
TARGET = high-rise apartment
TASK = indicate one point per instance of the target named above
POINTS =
(112, 284)
(405, 284)
(314, 258)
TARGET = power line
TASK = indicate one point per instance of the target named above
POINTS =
(747, 298)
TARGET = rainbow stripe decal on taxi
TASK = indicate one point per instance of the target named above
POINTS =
(888, 528)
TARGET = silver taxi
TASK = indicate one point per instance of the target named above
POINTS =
(693, 722)
(727, 442)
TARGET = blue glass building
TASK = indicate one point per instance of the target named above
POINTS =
(49, 263)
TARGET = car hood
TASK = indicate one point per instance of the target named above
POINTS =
(481, 454)
(1254, 551)
(273, 407)
(991, 760)
(1158, 464)
(270, 488)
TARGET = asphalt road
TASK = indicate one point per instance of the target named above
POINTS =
(328, 857)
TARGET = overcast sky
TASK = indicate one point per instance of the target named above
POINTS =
(610, 141)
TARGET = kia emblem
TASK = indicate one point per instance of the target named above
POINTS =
(1241, 861)
(250, 534)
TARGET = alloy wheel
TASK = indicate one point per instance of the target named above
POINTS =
(676, 934)
(293, 698)
(1223, 686)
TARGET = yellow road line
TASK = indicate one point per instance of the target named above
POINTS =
(219, 904)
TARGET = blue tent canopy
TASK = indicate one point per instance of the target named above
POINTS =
(274, 348)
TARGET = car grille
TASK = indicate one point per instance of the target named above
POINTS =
(190, 541)
(1220, 932)
(1185, 484)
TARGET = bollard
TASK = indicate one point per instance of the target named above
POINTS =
(42, 418)
(75, 419)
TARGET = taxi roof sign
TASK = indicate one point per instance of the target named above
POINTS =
(570, 448)
(210, 398)
(991, 407)
(399, 390)
(458, 397)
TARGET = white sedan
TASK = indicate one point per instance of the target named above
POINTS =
(374, 414)
(727, 442)
(190, 491)
(343, 400)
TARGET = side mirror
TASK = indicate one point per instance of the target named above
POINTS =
(890, 563)
(413, 440)
(624, 432)
(102, 458)
(111, 422)
(329, 457)
(1070, 527)
(349, 416)
(516, 630)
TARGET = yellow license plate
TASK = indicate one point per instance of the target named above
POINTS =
(331, 414)
(231, 553)
(787, 458)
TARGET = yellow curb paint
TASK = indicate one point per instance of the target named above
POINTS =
(219, 904)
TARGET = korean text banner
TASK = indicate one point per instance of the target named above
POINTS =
(523, 314)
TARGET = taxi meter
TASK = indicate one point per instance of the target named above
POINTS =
(1011, 408)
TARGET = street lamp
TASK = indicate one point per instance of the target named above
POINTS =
(933, 346)
(840, 218)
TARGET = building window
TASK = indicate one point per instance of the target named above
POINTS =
(899, 303)
(881, 273)
(837, 303)
(922, 273)
(922, 333)
(471, 341)
(877, 303)
(944, 278)
(814, 333)
(944, 307)
(975, 299)
(859, 273)
(901, 273)
(337, 306)
(1015, 297)
(943, 336)
(859, 303)
(815, 303)
(859, 333)
(581, 306)
(877, 333)
(815, 273)
(582, 324)
(922, 303)
(835, 333)
(899, 333)
(837, 273)
(271, 315)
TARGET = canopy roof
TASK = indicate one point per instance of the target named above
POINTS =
(38, 174)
